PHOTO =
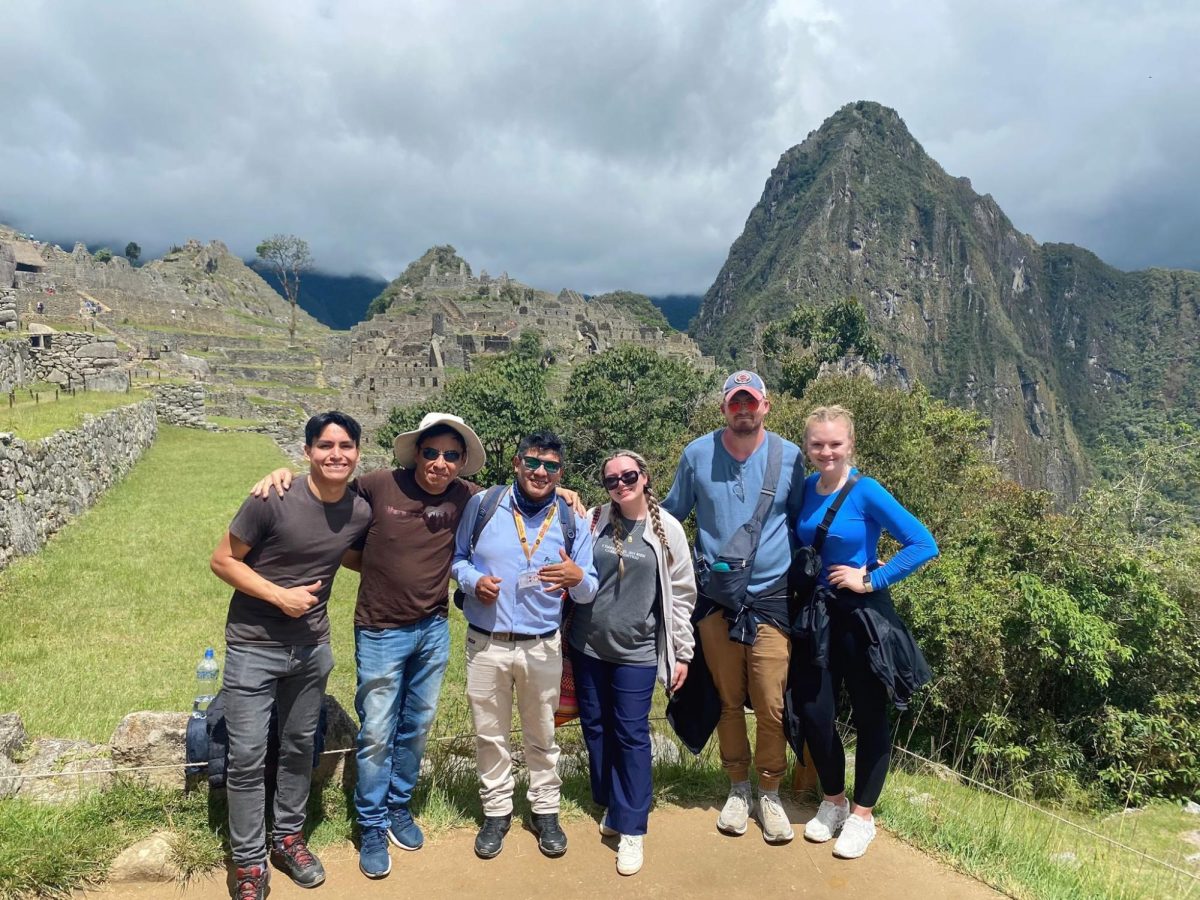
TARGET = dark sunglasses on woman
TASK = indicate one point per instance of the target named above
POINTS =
(610, 482)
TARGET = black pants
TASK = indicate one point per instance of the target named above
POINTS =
(818, 692)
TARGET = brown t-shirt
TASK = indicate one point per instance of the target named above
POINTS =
(408, 548)
(294, 540)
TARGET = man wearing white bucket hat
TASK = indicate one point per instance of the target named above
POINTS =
(401, 632)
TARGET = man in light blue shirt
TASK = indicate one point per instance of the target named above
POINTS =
(513, 578)
(746, 644)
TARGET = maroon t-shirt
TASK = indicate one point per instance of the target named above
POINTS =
(408, 548)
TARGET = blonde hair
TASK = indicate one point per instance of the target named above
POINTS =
(614, 510)
(830, 414)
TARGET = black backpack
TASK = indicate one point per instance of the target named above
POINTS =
(208, 742)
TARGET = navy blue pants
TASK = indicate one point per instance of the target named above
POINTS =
(614, 712)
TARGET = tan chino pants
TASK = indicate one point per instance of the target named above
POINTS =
(533, 671)
(760, 672)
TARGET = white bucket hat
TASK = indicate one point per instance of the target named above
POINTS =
(405, 445)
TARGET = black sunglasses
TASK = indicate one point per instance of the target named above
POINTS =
(432, 453)
(532, 464)
(610, 482)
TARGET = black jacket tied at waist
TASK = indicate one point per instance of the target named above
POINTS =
(892, 652)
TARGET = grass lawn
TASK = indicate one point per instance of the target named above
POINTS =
(40, 414)
(117, 609)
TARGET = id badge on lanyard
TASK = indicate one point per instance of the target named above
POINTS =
(529, 579)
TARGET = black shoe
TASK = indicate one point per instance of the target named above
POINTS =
(552, 841)
(250, 883)
(490, 840)
(292, 856)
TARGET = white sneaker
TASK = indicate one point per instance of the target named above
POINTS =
(857, 835)
(736, 810)
(825, 824)
(776, 828)
(629, 854)
(606, 830)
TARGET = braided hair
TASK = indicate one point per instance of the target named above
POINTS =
(614, 514)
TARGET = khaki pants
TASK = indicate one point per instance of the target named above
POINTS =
(759, 671)
(533, 670)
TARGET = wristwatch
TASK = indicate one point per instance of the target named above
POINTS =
(867, 583)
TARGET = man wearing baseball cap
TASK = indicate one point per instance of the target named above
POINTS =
(726, 477)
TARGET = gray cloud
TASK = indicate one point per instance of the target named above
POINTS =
(576, 144)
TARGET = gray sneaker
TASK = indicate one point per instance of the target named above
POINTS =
(776, 828)
(827, 822)
(736, 810)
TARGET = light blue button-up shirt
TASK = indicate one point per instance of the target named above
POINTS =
(532, 610)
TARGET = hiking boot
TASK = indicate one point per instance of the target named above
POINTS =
(250, 882)
(552, 840)
(736, 810)
(606, 830)
(857, 835)
(826, 823)
(629, 854)
(292, 856)
(490, 840)
(404, 832)
(373, 859)
(776, 829)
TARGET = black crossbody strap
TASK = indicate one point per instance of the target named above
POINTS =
(831, 513)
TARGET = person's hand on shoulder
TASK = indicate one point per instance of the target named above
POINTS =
(573, 500)
(280, 480)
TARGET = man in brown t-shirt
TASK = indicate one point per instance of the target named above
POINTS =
(401, 632)
(281, 558)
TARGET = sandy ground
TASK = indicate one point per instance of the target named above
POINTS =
(685, 857)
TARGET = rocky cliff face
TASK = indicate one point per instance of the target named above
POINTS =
(1047, 341)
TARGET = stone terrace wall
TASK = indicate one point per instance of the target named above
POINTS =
(45, 483)
(16, 366)
(180, 404)
(75, 358)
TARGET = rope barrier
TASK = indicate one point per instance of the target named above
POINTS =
(974, 782)
(1053, 815)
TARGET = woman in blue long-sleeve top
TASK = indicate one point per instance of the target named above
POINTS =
(852, 582)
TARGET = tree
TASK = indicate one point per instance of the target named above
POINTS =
(503, 400)
(629, 397)
(103, 255)
(132, 252)
(813, 336)
(287, 256)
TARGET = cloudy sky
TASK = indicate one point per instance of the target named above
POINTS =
(578, 144)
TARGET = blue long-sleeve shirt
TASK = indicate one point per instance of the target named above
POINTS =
(853, 538)
(724, 493)
(498, 552)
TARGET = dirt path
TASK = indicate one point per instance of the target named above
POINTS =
(685, 856)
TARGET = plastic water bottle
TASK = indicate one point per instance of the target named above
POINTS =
(206, 684)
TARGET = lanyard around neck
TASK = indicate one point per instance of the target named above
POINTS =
(519, 521)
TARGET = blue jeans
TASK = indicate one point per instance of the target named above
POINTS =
(399, 677)
(614, 712)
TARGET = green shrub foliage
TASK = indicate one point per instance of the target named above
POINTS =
(1065, 645)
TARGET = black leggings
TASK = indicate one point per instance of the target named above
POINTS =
(818, 692)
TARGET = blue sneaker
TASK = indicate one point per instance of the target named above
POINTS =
(373, 857)
(404, 832)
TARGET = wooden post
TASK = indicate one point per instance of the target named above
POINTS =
(804, 778)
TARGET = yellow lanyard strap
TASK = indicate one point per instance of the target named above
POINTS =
(519, 521)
